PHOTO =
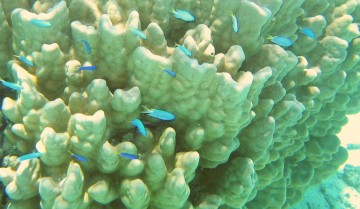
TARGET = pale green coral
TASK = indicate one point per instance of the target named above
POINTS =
(54, 147)
(25, 183)
(133, 194)
(70, 195)
(255, 122)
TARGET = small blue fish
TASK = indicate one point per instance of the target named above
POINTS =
(139, 33)
(139, 125)
(307, 32)
(183, 15)
(234, 22)
(87, 46)
(25, 60)
(91, 68)
(173, 74)
(11, 85)
(78, 157)
(41, 23)
(280, 40)
(29, 156)
(128, 155)
(159, 114)
(184, 49)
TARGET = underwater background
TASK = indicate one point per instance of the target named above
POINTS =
(179, 104)
(342, 189)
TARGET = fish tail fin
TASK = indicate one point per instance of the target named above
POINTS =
(146, 110)
(172, 10)
(268, 37)
(231, 13)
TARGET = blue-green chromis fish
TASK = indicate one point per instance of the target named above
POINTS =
(159, 114)
(91, 68)
(29, 156)
(307, 32)
(234, 22)
(280, 40)
(139, 125)
(139, 33)
(25, 60)
(78, 157)
(184, 50)
(10, 85)
(128, 155)
(41, 23)
(183, 15)
(172, 73)
(87, 46)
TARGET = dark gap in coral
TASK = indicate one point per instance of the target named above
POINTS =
(203, 184)
(3, 196)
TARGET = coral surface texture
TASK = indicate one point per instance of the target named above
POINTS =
(173, 104)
